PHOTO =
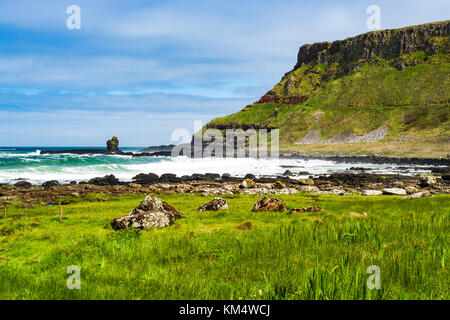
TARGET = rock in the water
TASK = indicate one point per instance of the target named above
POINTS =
(427, 180)
(288, 173)
(23, 185)
(394, 191)
(269, 204)
(143, 178)
(214, 205)
(151, 212)
(212, 176)
(109, 180)
(51, 183)
(304, 210)
(247, 183)
(250, 176)
(169, 177)
(372, 193)
(112, 145)
(226, 176)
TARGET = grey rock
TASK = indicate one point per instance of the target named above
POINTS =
(394, 191)
(372, 193)
(214, 205)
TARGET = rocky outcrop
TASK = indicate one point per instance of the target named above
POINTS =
(269, 204)
(215, 204)
(112, 145)
(151, 212)
(383, 44)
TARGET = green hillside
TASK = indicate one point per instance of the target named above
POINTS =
(385, 86)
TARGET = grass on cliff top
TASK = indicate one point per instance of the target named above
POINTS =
(233, 254)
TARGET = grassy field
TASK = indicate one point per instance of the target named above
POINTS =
(233, 254)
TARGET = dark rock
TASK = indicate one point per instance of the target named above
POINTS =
(288, 173)
(73, 182)
(304, 210)
(226, 176)
(198, 177)
(269, 204)
(112, 145)
(169, 177)
(108, 180)
(23, 185)
(212, 176)
(250, 176)
(143, 178)
(51, 183)
(446, 177)
(214, 205)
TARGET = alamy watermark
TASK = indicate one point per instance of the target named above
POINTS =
(226, 142)
(374, 281)
(74, 280)
(374, 20)
(73, 22)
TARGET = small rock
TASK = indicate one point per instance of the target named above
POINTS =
(215, 204)
(247, 183)
(306, 182)
(250, 176)
(52, 183)
(279, 185)
(143, 178)
(304, 210)
(269, 204)
(288, 173)
(23, 185)
(109, 180)
(427, 180)
(372, 193)
(411, 190)
(394, 191)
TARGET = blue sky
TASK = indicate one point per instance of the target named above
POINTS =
(141, 69)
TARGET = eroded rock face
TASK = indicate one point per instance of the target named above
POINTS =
(215, 204)
(269, 204)
(112, 145)
(151, 212)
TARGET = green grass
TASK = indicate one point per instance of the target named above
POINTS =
(231, 254)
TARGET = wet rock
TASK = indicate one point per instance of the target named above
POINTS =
(372, 193)
(214, 205)
(250, 176)
(23, 185)
(108, 180)
(212, 176)
(427, 180)
(151, 212)
(394, 191)
(198, 177)
(52, 183)
(304, 210)
(288, 173)
(226, 176)
(169, 177)
(269, 204)
(143, 178)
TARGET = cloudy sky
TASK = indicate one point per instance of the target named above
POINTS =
(141, 69)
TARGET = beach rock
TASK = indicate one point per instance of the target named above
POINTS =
(306, 182)
(51, 183)
(23, 185)
(312, 189)
(212, 176)
(198, 177)
(108, 180)
(279, 185)
(112, 145)
(143, 178)
(371, 192)
(394, 191)
(214, 205)
(269, 204)
(288, 173)
(151, 212)
(247, 183)
(418, 195)
(169, 177)
(226, 176)
(427, 180)
(250, 176)
(304, 210)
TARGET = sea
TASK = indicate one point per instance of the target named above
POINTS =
(28, 163)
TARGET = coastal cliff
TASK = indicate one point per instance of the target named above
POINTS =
(382, 86)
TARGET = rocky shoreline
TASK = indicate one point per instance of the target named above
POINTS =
(51, 192)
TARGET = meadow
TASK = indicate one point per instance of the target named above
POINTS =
(233, 254)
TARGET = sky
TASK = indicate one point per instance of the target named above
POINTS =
(141, 69)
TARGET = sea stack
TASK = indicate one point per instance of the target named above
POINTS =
(112, 145)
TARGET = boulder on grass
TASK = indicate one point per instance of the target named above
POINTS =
(151, 212)
(215, 204)
(269, 204)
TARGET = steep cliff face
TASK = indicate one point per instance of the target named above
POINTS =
(393, 81)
